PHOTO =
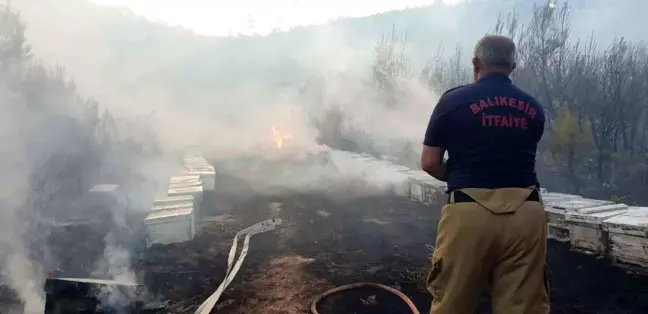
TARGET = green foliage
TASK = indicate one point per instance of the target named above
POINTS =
(569, 134)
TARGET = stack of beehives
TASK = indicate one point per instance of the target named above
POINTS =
(175, 215)
(200, 167)
(417, 184)
(598, 227)
(381, 173)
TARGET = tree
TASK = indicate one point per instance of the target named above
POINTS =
(390, 66)
(596, 100)
(14, 50)
(62, 142)
(441, 74)
(570, 142)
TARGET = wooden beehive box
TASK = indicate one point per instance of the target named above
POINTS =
(556, 206)
(424, 188)
(628, 237)
(171, 226)
(586, 229)
(195, 191)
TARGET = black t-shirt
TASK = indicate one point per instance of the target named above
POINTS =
(491, 131)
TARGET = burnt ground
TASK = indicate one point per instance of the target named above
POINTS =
(324, 243)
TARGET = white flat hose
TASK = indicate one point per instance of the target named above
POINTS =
(264, 226)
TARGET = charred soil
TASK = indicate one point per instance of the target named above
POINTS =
(325, 242)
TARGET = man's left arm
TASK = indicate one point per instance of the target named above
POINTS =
(435, 142)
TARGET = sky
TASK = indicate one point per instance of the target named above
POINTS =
(227, 17)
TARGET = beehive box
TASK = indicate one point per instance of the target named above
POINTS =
(586, 229)
(416, 190)
(172, 206)
(171, 226)
(628, 237)
(167, 200)
(199, 167)
(195, 191)
(207, 177)
(184, 184)
(434, 191)
(424, 188)
(396, 181)
(548, 198)
(416, 179)
(558, 228)
(184, 178)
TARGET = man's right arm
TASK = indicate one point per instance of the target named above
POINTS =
(435, 142)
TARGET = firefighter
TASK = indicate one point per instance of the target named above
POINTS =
(493, 229)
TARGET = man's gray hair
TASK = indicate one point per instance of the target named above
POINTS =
(496, 51)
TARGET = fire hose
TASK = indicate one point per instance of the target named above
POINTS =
(232, 269)
(320, 297)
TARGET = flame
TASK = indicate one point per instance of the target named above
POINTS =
(280, 136)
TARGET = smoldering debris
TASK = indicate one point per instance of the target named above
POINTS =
(81, 296)
(96, 239)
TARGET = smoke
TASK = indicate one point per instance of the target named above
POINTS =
(18, 271)
(168, 91)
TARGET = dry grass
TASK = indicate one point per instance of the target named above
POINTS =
(284, 287)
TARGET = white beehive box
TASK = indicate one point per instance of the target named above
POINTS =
(195, 191)
(433, 191)
(416, 190)
(184, 184)
(200, 167)
(586, 230)
(628, 237)
(558, 227)
(548, 198)
(395, 181)
(577, 204)
(416, 179)
(167, 200)
(173, 226)
(172, 206)
(424, 188)
(185, 178)
(207, 177)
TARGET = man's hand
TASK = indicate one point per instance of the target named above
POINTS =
(432, 162)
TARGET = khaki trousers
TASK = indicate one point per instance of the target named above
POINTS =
(501, 240)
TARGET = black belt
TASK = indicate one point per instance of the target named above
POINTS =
(461, 197)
